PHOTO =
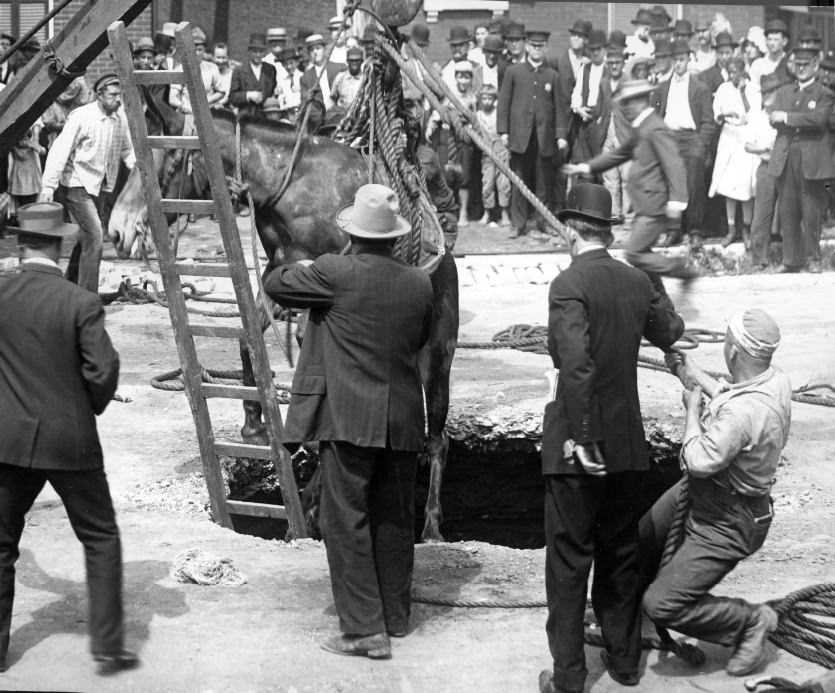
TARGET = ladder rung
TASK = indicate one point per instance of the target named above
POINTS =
(188, 206)
(174, 141)
(257, 509)
(235, 449)
(231, 391)
(213, 269)
(217, 331)
(160, 77)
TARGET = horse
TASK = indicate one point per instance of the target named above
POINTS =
(300, 225)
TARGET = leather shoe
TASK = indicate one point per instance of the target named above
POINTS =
(515, 233)
(112, 663)
(787, 269)
(762, 622)
(814, 267)
(547, 685)
(630, 679)
(402, 633)
(376, 646)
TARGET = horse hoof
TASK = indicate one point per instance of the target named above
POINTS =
(255, 436)
(432, 535)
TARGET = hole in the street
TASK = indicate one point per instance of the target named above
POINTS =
(492, 490)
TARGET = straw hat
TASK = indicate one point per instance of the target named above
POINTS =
(43, 219)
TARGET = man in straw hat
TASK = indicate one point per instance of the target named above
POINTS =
(276, 42)
(657, 181)
(254, 81)
(593, 444)
(357, 391)
(319, 77)
(84, 161)
(58, 370)
(732, 446)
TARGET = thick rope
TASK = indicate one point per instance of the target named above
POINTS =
(172, 381)
(202, 568)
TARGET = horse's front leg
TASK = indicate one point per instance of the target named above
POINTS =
(435, 364)
(254, 429)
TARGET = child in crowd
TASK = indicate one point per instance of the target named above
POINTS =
(492, 180)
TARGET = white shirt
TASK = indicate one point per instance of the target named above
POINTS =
(639, 48)
(476, 55)
(40, 261)
(763, 66)
(210, 75)
(88, 150)
(490, 75)
(642, 116)
(595, 75)
(577, 62)
(702, 60)
(324, 85)
(678, 116)
(280, 70)
(256, 70)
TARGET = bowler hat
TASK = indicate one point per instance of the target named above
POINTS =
(515, 31)
(496, 26)
(632, 88)
(682, 27)
(420, 34)
(617, 40)
(659, 24)
(6, 35)
(581, 27)
(314, 40)
(373, 214)
(537, 35)
(144, 45)
(597, 39)
(257, 40)
(663, 48)
(770, 82)
(643, 17)
(43, 219)
(809, 37)
(276, 34)
(774, 26)
(493, 44)
(828, 62)
(588, 201)
(680, 47)
(458, 34)
(288, 53)
(32, 44)
(369, 34)
(661, 11)
(335, 22)
(723, 40)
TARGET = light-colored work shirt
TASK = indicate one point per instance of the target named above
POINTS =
(744, 430)
(88, 150)
(595, 75)
(678, 115)
(345, 89)
(210, 74)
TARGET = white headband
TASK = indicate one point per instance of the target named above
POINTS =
(747, 341)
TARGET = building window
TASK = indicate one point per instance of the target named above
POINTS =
(434, 7)
(621, 14)
(19, 16)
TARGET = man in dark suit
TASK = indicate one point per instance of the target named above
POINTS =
(357, 390)
(6, 67)
(718, 73)
(495, 63)
(593, 444)
(689, 114)
(58, 370)
(657, 183)
(318, 78)
(614, 128)
(802, 161)
(526, 119)
(254, 81)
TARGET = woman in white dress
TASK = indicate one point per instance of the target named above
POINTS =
(735, 170)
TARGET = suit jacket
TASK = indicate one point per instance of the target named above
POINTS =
(808, 112)
(598, 310)
(608, 110)
(309, 82)
(58, 369)
(562, 64)
(657, 173)
(357, 379)
(6, 72)
(701, 106)
(528, 100)
(243, 80)
(712, 77)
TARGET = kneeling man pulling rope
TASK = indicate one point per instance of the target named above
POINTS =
(732, 445)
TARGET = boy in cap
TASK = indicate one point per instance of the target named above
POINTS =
(347, 83)
(459, 46)
(734, 436)
(493, 182)
(143, 53)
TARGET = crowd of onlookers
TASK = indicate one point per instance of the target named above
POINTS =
(716, 89)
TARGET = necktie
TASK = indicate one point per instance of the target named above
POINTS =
(745, 103)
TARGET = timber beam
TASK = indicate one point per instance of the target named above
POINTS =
(41, 80)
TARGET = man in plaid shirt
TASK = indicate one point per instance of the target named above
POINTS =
(83, 161)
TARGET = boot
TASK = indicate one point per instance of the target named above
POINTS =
(731, 237)
(761, 623)
(746, 237)
(375, 646)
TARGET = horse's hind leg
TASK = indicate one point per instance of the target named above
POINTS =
(436, 363)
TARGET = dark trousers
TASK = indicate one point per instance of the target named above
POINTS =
(722, 528)
(801, 199)
(692, 151)
(645, 232)
(367, 517)
(592, 519)
(538, 174)
(86, 498)
(762, 221)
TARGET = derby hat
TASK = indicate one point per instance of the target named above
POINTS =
(643, 17)
(314, 40)
(257, 40)
(420, 34)
(809, 37)
(369, 34)
(774, 26)
(660, 24)
(682, 27)
(493, 44)
(661, 11)
(724, 40)
(588, 201)
(597, 39)
(537, 35)
(278, 33)
(582, 27)
(496, 26)
(288, 53)
(663, 48)
(373, 214)
(617, 42)
(32, 44)
(459, 34)
(6, 35)
(43, 219)
(144, 45)
(828, 62)
(633, 88)
(680, 47)
(515, 31)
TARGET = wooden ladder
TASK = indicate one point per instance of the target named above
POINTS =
(184, 332)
